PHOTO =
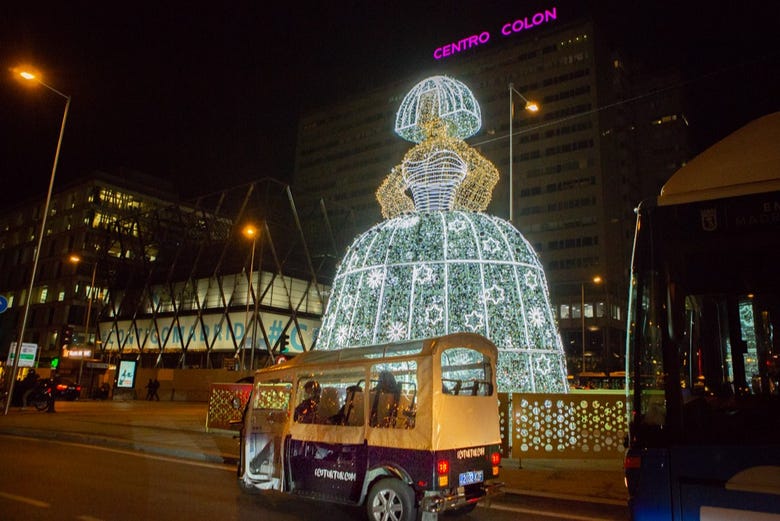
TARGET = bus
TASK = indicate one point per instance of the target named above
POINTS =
(703, 348)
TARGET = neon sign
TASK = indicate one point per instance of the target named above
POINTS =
(507, 29)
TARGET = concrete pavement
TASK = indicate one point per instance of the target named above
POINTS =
(178, 429)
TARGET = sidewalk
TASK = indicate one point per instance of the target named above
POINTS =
(178, 429)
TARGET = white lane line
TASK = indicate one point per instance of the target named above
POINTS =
(557, 515)
(137, 453)
(25, 500)
(149, 455)
(570, 497)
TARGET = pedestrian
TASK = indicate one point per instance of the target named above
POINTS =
(49, 387)
(149, 389)
(155, 387)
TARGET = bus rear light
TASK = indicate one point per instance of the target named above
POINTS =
(632, 462)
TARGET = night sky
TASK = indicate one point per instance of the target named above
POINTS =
(208, 96)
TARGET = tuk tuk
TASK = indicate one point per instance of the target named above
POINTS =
(400, 428)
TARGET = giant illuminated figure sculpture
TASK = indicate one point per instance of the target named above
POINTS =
(438, 264)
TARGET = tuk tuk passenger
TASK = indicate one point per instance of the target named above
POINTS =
(306, 411)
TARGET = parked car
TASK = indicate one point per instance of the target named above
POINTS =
(65, 389)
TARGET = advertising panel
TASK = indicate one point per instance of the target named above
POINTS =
(126, 378)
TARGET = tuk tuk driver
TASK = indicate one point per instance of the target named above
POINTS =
(306, 411)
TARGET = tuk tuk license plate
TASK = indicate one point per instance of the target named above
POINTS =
(470, 477)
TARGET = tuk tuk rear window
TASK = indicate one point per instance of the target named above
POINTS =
(466, 372)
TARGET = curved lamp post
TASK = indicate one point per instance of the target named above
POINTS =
(250, 231)
(75, 259)
(34, 77)
(530, 106)
(595, 280)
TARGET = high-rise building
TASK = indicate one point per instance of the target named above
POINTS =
(576, 170)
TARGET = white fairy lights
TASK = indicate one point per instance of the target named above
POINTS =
(437, 265)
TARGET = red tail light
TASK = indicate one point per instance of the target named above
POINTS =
(495, 458)
(632, 462)
(443, 467)
(61, 387)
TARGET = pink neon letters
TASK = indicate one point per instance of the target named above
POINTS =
(462, 45)
(523, 23)
(508, 29)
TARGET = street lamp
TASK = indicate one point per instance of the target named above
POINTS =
(250, 232)
(530, 106)
(31, 76)
(75, 259)
(595, 280)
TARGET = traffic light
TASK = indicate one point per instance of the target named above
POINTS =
(67, 335)
(284, 342)
(55, 362)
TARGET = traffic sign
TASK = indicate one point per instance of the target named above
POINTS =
(3, 303)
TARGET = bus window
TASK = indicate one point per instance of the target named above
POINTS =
(465, 372)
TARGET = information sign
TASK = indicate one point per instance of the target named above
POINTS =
(26, 356)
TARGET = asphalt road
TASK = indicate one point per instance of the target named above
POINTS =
(51, 480)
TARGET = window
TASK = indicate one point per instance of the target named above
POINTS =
(334, 397)
(272, 397)
(588, 310)
(393, 395)
(466, 372)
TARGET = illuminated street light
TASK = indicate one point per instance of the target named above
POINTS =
(595, 280)
(530, 106)
(75, 259)
(250, 232)
(27, 75)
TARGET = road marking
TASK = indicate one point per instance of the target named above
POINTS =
(149, 455)
(138, 453)
(557, 515)
(27, 500)
(570, 497)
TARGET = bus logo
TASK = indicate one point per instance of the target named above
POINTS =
(709, 219)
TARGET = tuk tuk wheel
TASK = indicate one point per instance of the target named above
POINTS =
(391, 500)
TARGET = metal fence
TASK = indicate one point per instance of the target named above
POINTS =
(577, 425)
